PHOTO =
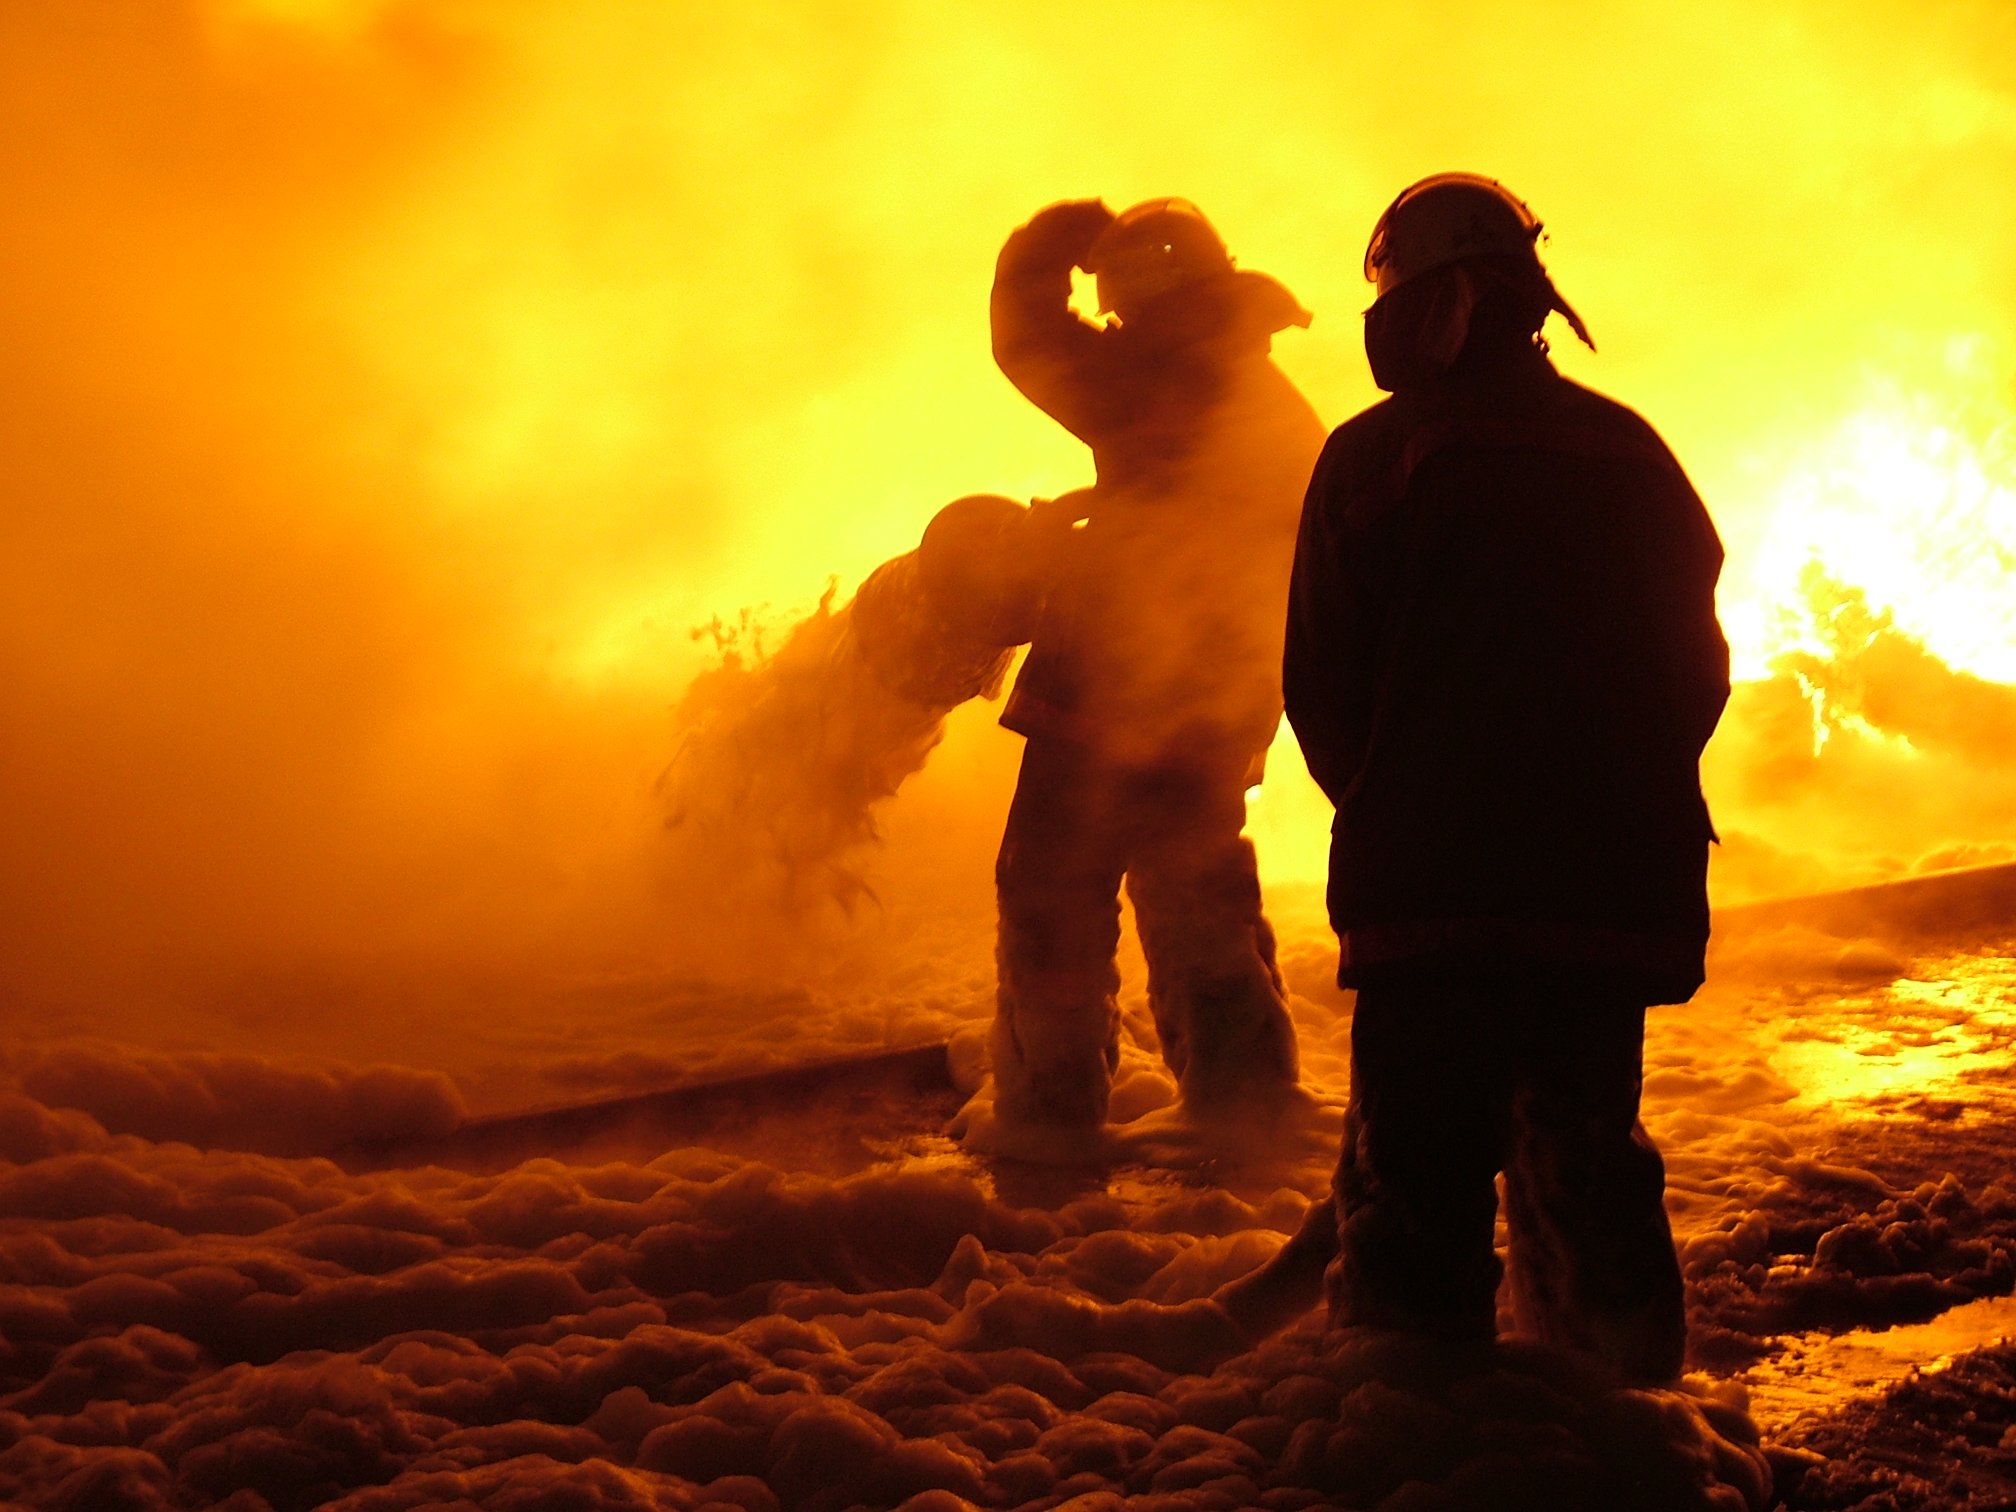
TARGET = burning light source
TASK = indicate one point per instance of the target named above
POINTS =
(1910, 499)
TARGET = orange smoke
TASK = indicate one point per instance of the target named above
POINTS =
(393, 384)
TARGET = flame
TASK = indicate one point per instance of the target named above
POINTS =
(1910, 498)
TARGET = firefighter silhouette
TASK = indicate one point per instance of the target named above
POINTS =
(1152, 685)
(1502, 664)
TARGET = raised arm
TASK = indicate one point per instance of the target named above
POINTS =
(1046, 350)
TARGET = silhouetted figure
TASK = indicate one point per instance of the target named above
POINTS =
(1502, 664)
(1152, 687)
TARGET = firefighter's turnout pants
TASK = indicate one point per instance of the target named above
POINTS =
(1078, 825)
(1535, 1075)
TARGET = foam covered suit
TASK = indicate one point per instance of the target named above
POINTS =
(1502, 663)
(1152, 686)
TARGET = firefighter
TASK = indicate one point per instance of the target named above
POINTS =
(1502, 663)
(1152, 686)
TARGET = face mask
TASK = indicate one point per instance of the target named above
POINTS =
(1413, 335)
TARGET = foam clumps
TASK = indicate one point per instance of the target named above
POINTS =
(188, 1324)
(193, 1327)
(275, 1105)
(1260, 1136)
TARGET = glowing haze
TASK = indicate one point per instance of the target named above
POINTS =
(392, 387)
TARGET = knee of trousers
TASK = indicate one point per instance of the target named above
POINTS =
(1059, 926)
(1204, 939)
(1214, 878)
(1052, 1012)
(1056, 963)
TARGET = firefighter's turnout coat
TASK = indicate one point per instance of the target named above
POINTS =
(1162, 630)
(1502, 664)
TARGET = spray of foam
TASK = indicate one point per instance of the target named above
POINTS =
(787, 753)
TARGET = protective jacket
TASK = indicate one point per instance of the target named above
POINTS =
(1161, 633)
(1502, 663)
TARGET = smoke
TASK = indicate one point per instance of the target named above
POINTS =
(787, 755)
(393, 385)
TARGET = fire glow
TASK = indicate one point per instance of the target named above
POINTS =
(394, 388)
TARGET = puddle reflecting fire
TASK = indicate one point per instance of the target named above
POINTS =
(1945, 1034)
(1818, 1373)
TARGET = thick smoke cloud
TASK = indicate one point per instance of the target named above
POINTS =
(1862, 758)
(393, 386)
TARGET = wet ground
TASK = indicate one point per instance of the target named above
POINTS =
(1839, 1117)
(1835, 1110)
